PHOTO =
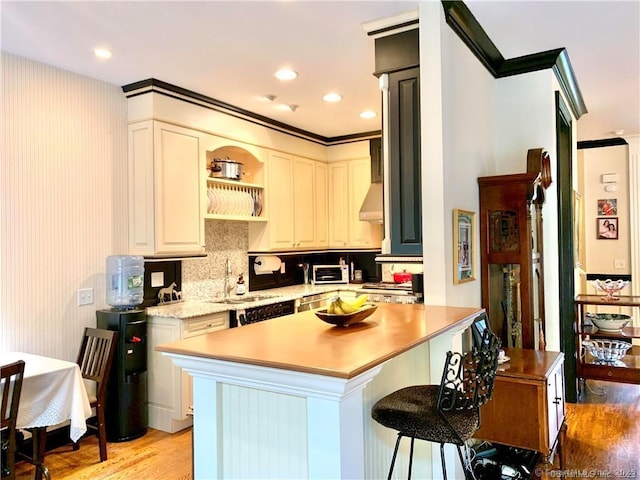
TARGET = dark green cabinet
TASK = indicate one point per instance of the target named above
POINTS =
(375, 151)
(404, 162)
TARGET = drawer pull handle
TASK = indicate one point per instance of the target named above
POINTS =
(556, 400)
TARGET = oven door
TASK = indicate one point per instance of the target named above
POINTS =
(246, 316)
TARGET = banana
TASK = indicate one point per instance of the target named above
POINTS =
(347, 307)
(358, 302)
(338, 306)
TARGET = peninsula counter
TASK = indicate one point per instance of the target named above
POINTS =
(291, 397)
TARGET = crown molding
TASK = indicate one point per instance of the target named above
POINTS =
(461, 20)
(606, 142)
(401, 22)
(173, 91)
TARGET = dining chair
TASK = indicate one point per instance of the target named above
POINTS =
(11, 378)
(445, 413)
(95, 359)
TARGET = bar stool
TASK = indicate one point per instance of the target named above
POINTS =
(445, 413)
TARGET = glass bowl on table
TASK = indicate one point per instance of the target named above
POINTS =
(606, 351)
(610, 287)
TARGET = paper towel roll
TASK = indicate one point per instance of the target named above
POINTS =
(266, 264)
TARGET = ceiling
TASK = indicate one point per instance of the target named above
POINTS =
(230, 50)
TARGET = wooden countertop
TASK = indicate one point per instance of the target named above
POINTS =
(304, 343)
(527, 363)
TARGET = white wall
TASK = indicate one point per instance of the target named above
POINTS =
(63, 202)
(601, 254)
(469, 95)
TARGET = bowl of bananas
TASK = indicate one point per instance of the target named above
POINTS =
(343, 313)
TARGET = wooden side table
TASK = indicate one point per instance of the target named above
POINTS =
(527, 409)
(626, 370)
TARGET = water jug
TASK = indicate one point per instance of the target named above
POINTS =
(125, 280)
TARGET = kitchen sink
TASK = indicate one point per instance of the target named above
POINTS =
(238, 300)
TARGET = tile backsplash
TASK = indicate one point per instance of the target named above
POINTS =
(203, 278)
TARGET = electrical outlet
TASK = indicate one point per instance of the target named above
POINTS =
(85, 296)
(619, 263)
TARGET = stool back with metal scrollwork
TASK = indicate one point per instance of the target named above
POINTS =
(448, 412)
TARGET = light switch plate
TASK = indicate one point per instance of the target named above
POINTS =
(157, 279)
(619, 263)
(85, 296)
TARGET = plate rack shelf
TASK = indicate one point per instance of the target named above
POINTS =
(233, 200)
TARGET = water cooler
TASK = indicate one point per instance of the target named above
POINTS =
(126, 414)
(126, 404)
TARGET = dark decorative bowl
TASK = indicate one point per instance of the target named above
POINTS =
(346, 319)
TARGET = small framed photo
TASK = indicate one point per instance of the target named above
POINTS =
(608, 228)
(608, 207)
(463, 241)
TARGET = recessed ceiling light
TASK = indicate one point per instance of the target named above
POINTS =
(286, 74)
(368, 114)
(332, 97)
(618, 132)
(288, 107)
(102, 53)
(268, 98)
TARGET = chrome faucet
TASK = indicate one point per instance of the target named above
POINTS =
(227, 276)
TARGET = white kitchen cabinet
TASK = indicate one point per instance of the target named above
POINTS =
(166, 191)
(348, 185)
(339, 204)
(304, 214)
(321, 204)
(170, 389)
(280, 201)
(296, 199)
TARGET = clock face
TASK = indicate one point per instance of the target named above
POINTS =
(504, 231)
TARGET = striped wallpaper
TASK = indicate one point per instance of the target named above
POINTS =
(63, 201)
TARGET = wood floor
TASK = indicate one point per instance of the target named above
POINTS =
(154, 456)
(603, 439)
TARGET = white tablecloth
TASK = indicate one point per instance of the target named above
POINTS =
(53, 391)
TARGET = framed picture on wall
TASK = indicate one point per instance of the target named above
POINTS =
(463, 241)
(608, 228)
(608, 207)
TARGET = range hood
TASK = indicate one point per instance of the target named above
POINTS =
(371, 209)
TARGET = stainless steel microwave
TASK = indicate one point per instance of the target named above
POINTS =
(330, 274)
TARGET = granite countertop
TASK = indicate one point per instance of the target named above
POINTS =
(303, 343)
(196, 308)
